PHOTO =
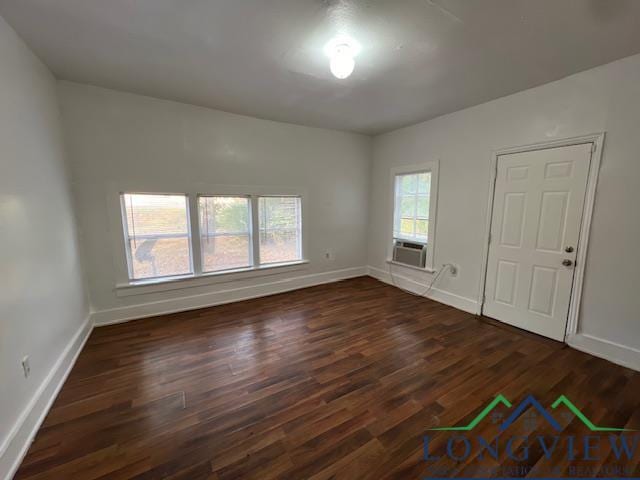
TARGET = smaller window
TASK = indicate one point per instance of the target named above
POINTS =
(157, 235)
(280, 229)
(225, 236)
(411, 206)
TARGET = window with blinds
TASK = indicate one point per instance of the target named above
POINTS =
(157, 235)
(280, 229)
(228, 233)
(225, 236)
(411, 206)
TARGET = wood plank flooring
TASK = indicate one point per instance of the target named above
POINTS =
(339, 381)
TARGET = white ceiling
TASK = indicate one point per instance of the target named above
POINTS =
(419, 59)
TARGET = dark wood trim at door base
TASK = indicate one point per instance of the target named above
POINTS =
(338, 381)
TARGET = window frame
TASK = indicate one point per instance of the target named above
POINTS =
(299, 230)
(126, 286)
(427, 167)
(250, 233)
(127, 238)
(398, 217)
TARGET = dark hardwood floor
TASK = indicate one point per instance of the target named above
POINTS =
(338, 381)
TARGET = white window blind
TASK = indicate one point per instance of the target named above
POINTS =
(157, 235)
(225, 237)
(280, 229)
(411, 206)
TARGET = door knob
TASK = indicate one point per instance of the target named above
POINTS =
(567, 263)
(568, 249)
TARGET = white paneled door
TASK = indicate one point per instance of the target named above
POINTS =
(537, 212)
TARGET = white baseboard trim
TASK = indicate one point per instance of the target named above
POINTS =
(614, 352)
(220, 297)
(16, 444)
(451, 299)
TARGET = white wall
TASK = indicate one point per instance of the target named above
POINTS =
(42, 302)
(604, 99)
(119, 142)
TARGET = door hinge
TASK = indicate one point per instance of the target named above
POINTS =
(490, 238)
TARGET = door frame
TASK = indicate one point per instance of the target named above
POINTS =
(597, 139)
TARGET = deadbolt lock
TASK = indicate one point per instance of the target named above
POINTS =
(568, 249)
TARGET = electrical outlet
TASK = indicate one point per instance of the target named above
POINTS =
(26, 368)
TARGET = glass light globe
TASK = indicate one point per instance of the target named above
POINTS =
(342, 62)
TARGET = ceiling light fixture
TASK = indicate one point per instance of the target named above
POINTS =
(342, 62)
(342, 52)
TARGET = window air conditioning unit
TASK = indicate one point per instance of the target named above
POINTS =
(409, 253)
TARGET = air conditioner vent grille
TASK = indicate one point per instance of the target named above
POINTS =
(409, 253)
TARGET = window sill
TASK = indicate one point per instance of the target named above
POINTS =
(404, 265)
(141, 287)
